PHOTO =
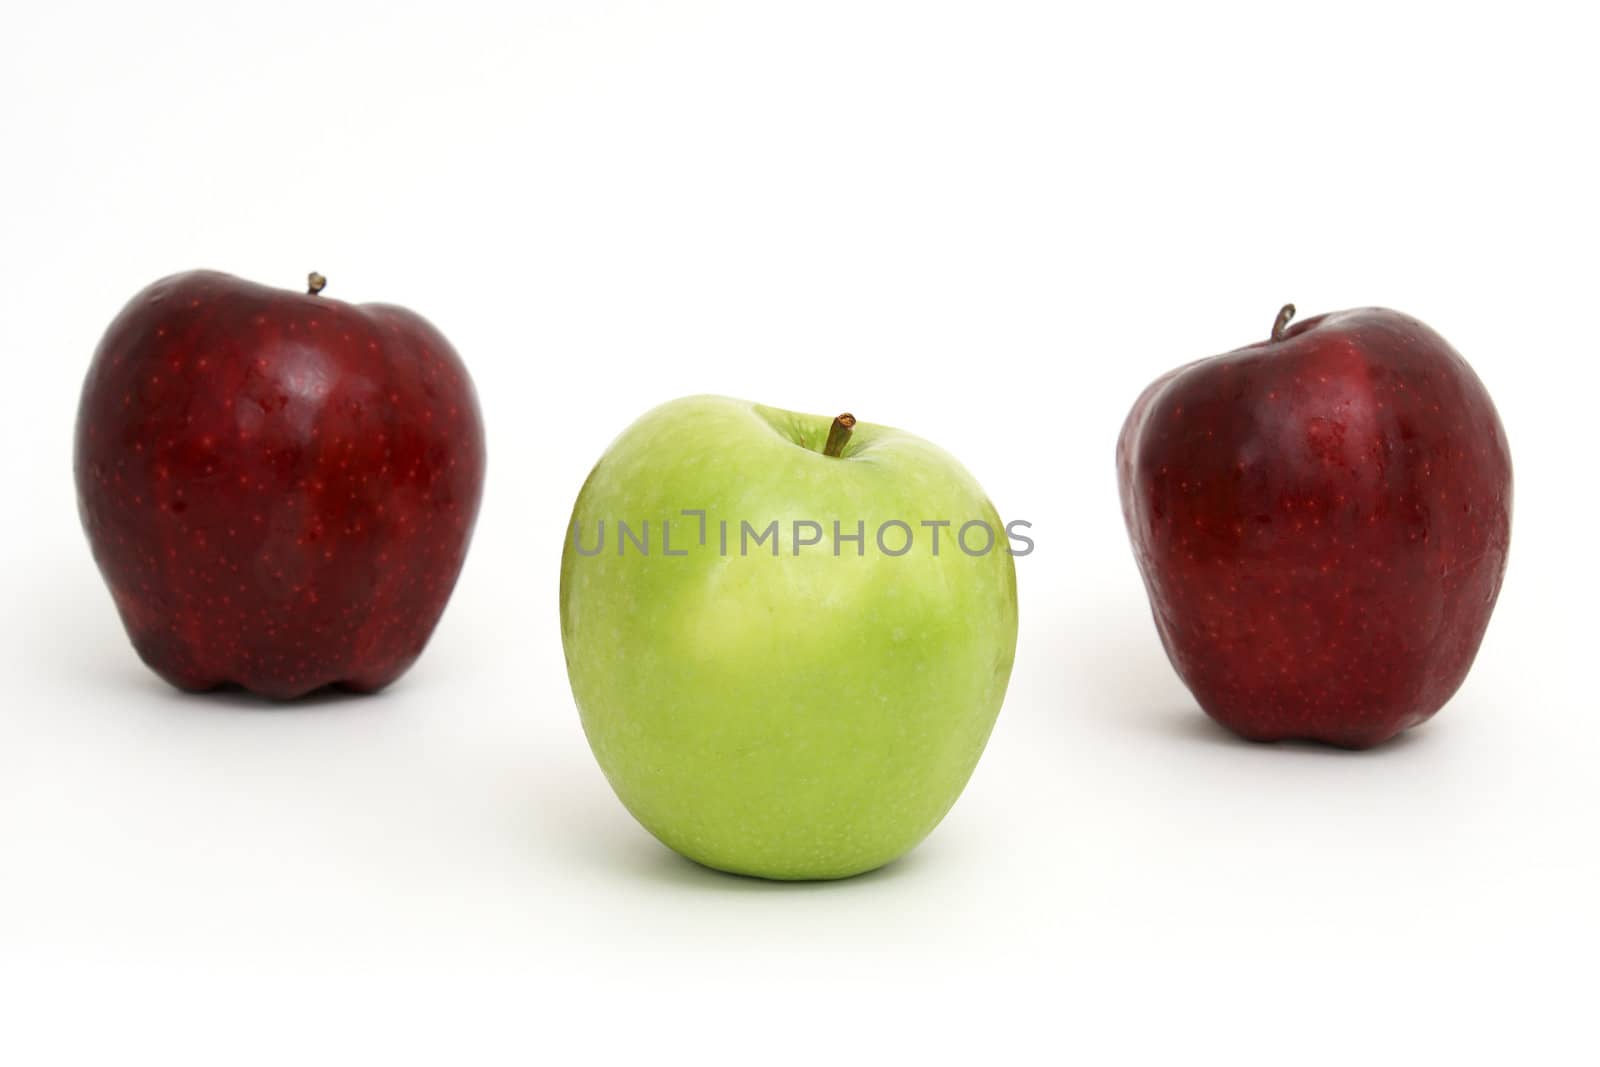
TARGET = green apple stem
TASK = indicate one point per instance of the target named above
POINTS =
(839, 435)
(1281, 323)
(315, 283)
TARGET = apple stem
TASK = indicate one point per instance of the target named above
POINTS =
(315, 283)
(839, 434)
(1281, 323)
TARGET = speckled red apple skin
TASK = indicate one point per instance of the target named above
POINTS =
(1322, 523)
(279, 488)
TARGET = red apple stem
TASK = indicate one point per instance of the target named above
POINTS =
(839, 435)
(315, 283)
(1281, 323)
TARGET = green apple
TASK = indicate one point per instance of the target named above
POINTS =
(764, 696)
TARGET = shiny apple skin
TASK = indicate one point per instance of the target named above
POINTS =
(1322, 523)
(279, 488)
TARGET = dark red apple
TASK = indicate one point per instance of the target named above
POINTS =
(279, 488)
(1322, 521)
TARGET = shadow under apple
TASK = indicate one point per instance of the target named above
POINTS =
(1190, 724)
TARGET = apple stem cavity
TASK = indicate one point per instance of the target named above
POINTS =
(1281, 323)
(315, 283)
(839, 435)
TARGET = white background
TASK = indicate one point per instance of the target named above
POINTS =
(990, 224)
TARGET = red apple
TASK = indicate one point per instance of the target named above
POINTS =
(279, 488)
(1322, 521)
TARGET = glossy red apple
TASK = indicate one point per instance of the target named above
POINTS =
(1322, 522)
(279, 488)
